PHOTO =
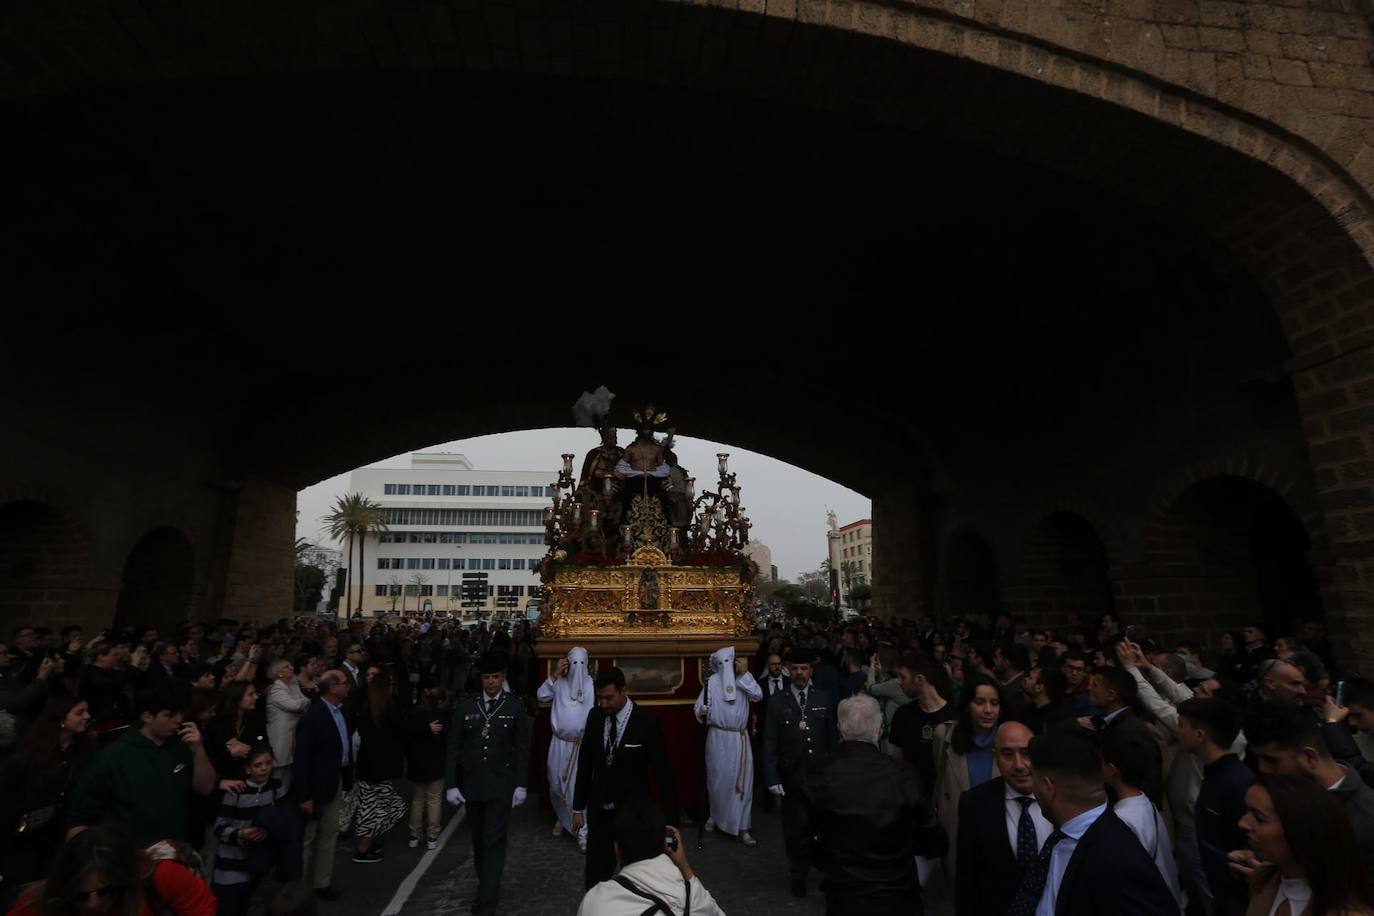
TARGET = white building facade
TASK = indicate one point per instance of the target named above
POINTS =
(446, 518)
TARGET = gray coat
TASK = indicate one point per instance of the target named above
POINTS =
(486, 768)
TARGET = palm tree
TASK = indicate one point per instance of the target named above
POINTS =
(849, 571)
(353, 518)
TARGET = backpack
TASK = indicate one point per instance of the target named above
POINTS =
(161, 851)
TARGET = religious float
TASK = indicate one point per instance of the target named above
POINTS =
(647, 574)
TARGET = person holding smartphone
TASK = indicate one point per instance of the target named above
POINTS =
(654, 875)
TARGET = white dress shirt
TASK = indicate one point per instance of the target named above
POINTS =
(1043, 828)
(1063, 851)
(1145, 822)
(620, 719)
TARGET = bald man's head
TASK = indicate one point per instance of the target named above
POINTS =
(1010, 749)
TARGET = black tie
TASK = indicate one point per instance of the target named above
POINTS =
(610, 741)
(803, 701)
(1025, 834)
(1033, 880)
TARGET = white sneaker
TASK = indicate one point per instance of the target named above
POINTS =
(557, 829)
(581, 845)
(414, 842)
(431, 844)
(746, 839)
(710, 825)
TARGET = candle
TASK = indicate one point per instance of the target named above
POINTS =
(567, 462)
(606, 484)
(577, 513)
(625, 536)
(723, 459)
(596, 518)
(691, 487)
(672, 539)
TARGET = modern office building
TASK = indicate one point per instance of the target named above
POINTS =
(445, 518)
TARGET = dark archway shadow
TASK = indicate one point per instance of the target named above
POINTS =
(159, 579)
(42, 558)
(971, 579)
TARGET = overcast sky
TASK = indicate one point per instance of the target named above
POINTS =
(786, 504)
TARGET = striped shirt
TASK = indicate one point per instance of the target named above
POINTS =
(235, 813)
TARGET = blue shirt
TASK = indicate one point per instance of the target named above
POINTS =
(342, 726)
(979, 760)
(1059, 859)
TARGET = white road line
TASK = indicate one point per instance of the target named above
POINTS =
(413, 879)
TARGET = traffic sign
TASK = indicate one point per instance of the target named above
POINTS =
(476, 575)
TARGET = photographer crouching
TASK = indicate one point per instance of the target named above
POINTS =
(654, 876)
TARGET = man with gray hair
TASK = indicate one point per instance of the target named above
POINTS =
(865, 810)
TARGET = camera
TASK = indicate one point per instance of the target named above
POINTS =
(670, 842)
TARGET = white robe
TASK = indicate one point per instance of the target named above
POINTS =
(569, 722)
(729, 758)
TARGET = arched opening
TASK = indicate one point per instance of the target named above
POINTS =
(42, 558)
(1233, 550)
(971, 581)
(159, 579)
(1065, 572)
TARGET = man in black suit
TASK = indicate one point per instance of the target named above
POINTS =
(1001, 829)
(323, 765)
(1092, 863)
(622, 753)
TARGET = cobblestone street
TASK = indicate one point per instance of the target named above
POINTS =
(544, 874)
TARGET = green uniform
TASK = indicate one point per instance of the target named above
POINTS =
(488, 758)
(139, 786)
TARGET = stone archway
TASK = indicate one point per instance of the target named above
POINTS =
(159, 582)
(1229, 550)
(1065, 573)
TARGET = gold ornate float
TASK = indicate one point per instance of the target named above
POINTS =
(637, 561)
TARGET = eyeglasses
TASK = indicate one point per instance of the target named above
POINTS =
(100, 893)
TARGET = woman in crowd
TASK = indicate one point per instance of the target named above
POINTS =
(1304, 858)
(1285, 646)
(236, 727)
(425, 747)
(286, 703)
(35, 783)
(963, 751)
(381, 758)
(101, 870)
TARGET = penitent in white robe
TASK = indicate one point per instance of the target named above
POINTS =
(569, 721)
(729, 758)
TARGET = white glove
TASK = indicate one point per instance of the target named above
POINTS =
(518, 798)
(454, 797)
(777, 790)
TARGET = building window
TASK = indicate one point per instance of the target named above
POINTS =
(426, 591)
(449, 489)
(443, 563)
(488, 564)
(460, 564)
(462, 489)
(388, 489)
(410, 590)
(402, 489)
(427, 563)
(413, 563)
(435, 489)
(383, 563)
(508, 491)
(536, 591)
(380, 591)
(479, 490)
(441, 591)
(522, 491)
(503, 564)
(505, 518)
(517, 564)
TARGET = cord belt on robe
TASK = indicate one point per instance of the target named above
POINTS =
(565, 781)
(743, 755)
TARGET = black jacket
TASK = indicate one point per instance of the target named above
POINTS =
(788, 749)
(1110, 872)
(986, 871)
(424, 749)
(865, 808)
(317, 770)
(488, 767)
(106, 690)
(381, 748)
(640, 760)
(1358, 801)
(217, 735)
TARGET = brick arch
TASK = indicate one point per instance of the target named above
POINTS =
(158, 587)
(1066, 571)
(1226, 548)
(969, 574)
